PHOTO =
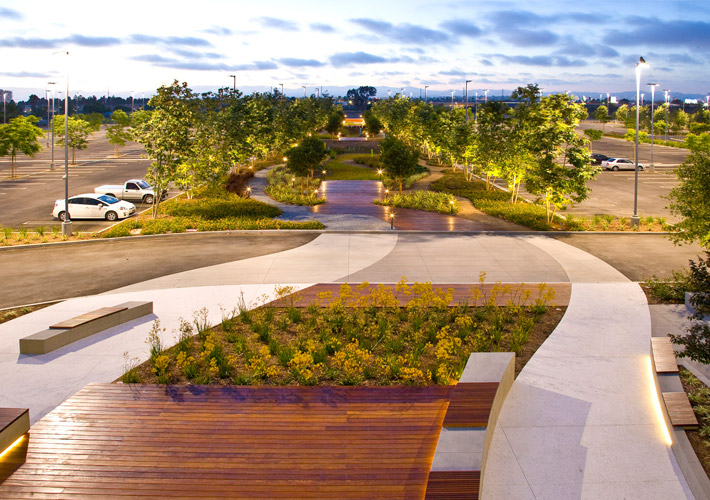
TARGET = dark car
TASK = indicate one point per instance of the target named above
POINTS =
(597, 158)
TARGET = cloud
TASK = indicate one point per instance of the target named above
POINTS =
(275, 23)
(544, 61)
(218, 30)
(188, 41)
(454, 72)
(572, 47)
(347, 58)
(652, 32)
(10, 14)
(529, 38)
(298, 63)
(462, 28)
(486, 62)
(29, 43)
(191, 54)
(256, 66)
(403, 33)
(165, 62)
(323, 28)
(93, 41)
(25, 74)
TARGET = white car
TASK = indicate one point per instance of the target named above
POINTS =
(94, 206)
(619, 164)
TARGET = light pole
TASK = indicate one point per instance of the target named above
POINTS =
(486, 95)
(426, 97)
(666, 93)
(452, 99)
(475, 109)
(66, 223)
(304, 91)
(4, 114)
(402, 95)
(133, 100)
(653, 96)
(635, 221)
(234, 83)
(51, 123)
(466, 111)
(282, 89)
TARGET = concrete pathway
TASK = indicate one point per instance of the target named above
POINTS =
(579, 421)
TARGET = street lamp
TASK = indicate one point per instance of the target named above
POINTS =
(666, 95)
(51, 123)
(486, 96)
(234, 83)
(635, 221)
(133, 100)
(4, 114)
(282, 89)
(466, 111)
(304, 91)
(653, 96)
(66, 223)
(452, 99)
(426, 97)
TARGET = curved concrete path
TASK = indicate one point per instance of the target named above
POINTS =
(579, 421)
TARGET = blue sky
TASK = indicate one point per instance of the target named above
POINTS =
(137, 46)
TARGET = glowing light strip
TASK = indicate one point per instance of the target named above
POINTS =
(7, 450)
(657, 403)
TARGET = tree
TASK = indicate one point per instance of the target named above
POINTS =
(118, 133)
(679, 121)
(79, 132)
(21, 135)
(168, 135)
(373, 125)
(622, 113)
(593, 135)
(602, 114)
(495, 141)
(335, 122)
(398, 159)
(306, 156)
(360, 97)
(697, 339)
(689, 199)
(94, 119)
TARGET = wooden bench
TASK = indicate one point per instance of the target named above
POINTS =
(461, 451)
(84, 325)
(14, 423)
(676, 404)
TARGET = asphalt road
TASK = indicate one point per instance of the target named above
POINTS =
(40, 273)
(47, 272)
(29, 198)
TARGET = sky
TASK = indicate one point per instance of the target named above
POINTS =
(582, 47)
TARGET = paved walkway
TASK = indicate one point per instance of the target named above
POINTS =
(578, 423)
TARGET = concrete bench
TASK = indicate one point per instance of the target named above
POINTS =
(84, 325)
(460, 456)
(14, 423)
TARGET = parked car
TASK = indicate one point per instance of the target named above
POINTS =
(94, 206)
(133, 189)
(619, 164)
(598, 158)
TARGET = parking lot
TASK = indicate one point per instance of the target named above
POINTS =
(28, 199)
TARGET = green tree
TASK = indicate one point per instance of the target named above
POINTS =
(549, 128)
(494, 141)
(79, 132)
(93, 119)
(118, 132)
(373, 125)
(306, 156)
(168, 135)
(593, 135)
(630, 136)
(20, 135)
(335, 122)
(697, 142)
(679, 121)
(360, 97)
(689, 199)
(622, 113)
(696, 341)
(398, 159)
(602, 114)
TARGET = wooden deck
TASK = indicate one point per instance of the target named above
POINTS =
(663, 355)
(112, 440)
(679, 409)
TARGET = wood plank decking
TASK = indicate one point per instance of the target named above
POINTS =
(112, 440)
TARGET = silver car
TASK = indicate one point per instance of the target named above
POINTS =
(94, 206)
(619, 164)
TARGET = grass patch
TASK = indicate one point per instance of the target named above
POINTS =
(359, 336)
(283, 186)
(339, 169)
(699, 396)
(10, 314)
(429, 201)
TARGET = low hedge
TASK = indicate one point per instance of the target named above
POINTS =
(182, 224)
(219, 208)
(428, 201)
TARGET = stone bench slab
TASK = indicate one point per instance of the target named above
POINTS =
(83, 326)
(14, 422)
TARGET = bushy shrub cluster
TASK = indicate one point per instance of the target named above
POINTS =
(429, 201)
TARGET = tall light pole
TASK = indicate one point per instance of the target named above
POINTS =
(426, 97)
(234, 83)
(452, 99)
(282, 89)
(133, 100)
(51, 124)
(304, 91)
(486, 94)
(653, 96)
(466, 112)
(66, 223)
(635, 221)
(666, 93)
(402, 94)
(4, 114)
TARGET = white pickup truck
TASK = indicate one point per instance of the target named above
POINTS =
(133, 189)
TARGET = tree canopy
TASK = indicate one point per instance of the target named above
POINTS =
(360, 96)
(398, 159)
(21, 135)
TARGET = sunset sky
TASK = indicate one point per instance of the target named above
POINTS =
(122, 46)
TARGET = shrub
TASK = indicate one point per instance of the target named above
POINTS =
(429, 201)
